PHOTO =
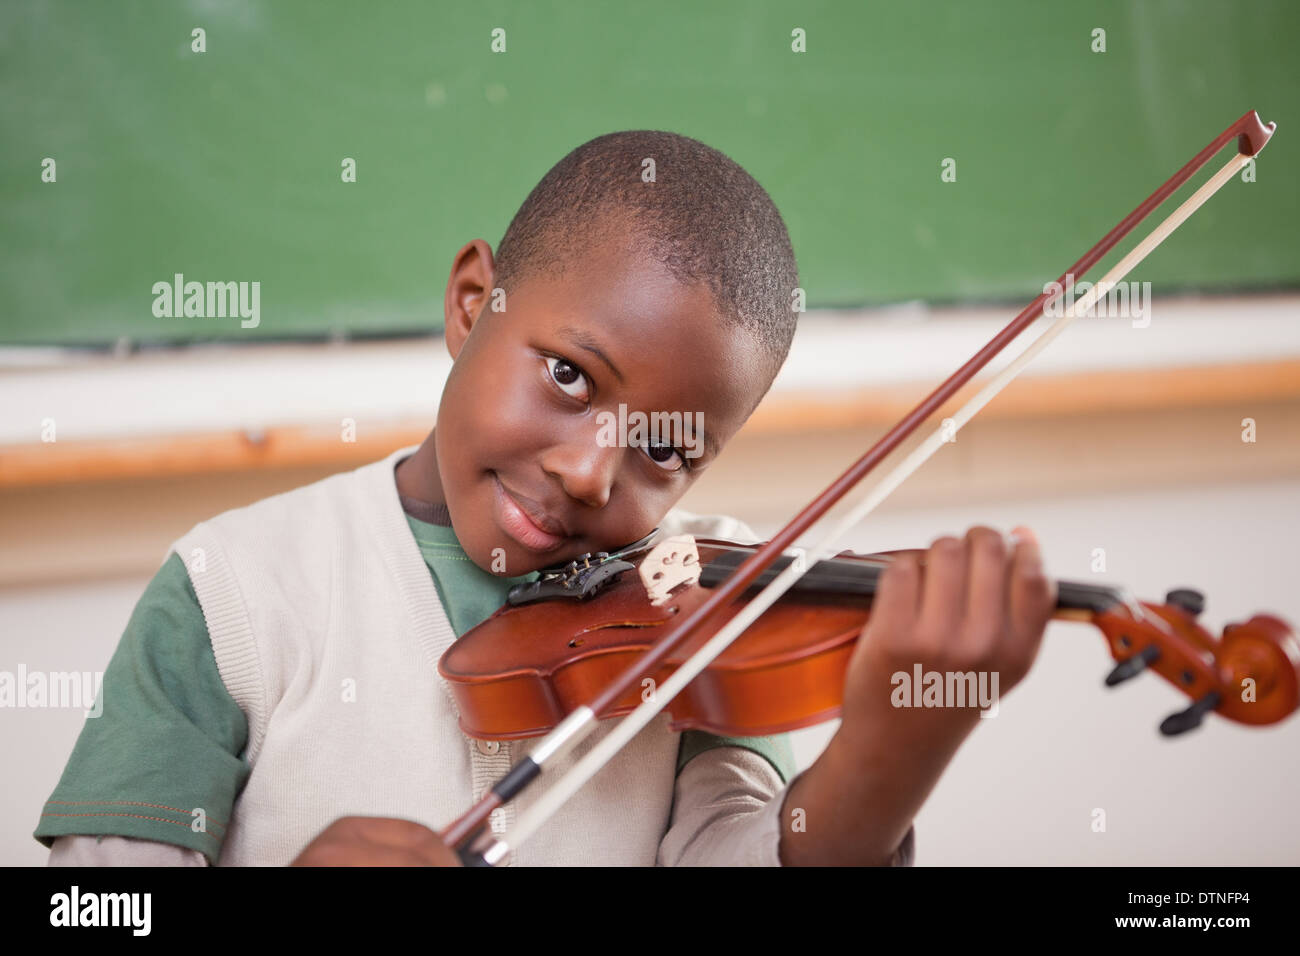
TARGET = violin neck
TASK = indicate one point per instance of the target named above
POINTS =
(857, 578)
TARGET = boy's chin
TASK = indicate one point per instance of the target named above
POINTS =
(514, 562)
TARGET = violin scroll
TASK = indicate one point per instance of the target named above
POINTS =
(1260, 663)
(1250, 675)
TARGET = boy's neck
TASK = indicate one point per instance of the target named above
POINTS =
(419, 487)
(417, 476)
(425, 511)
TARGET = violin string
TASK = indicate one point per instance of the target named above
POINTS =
(553, 797)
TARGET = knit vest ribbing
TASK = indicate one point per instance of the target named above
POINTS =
(327, 631)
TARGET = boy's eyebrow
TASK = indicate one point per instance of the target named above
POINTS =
(580, 338)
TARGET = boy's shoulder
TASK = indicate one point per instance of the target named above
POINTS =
(681, 521)
(291, 515)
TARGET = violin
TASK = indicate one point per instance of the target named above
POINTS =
(561, 639)
(706, 628)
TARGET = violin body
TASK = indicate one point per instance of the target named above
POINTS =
(521, 671)
(525, 668)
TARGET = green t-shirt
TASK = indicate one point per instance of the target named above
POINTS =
(170, 737)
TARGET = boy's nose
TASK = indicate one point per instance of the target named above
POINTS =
(585, 468)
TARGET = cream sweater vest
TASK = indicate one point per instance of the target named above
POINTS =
(327, 630)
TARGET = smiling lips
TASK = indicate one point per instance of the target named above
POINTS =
(526, 522)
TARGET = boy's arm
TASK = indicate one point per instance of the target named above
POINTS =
(979, 607)
(161, 761)
(727, 801)
(120, 851)
(728, 810)
(723, 804)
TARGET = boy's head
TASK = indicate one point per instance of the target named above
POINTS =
(646, 273)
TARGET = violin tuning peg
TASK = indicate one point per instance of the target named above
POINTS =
(1191, 718)
(1133, 666)
(1193, 602)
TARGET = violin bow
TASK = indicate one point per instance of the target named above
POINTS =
(1251, 133)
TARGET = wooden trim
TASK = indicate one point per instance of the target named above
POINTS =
(1078, 393)
(212, 452)
(36, 464)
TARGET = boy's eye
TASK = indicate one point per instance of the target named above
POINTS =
(566, 375)
(665, 456)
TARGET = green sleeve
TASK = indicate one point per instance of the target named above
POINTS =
(163, 760)
(776, 749)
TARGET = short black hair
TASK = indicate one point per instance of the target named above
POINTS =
(703, 217)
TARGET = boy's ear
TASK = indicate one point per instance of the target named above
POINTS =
(468, 289)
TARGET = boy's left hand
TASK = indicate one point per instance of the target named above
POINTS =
(972, 605)
(979, 604)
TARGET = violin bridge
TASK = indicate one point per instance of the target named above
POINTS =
(672, 562)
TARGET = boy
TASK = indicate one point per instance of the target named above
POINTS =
(275, 697)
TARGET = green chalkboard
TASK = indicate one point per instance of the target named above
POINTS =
(226, 165)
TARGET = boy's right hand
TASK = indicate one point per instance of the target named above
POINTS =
(376, 841)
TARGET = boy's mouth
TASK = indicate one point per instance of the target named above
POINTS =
(524, 521)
